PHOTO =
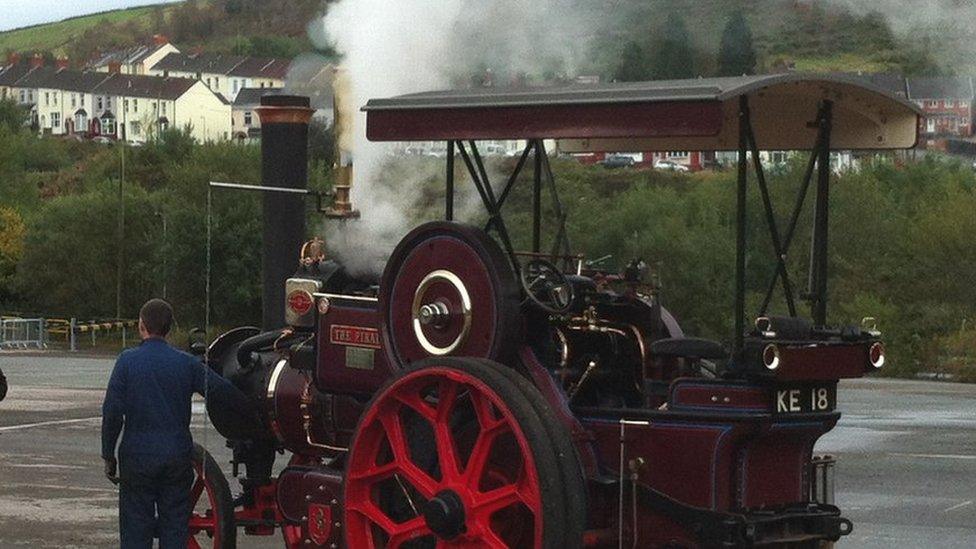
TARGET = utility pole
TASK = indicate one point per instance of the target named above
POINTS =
(120, 241)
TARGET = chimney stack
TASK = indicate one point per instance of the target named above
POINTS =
(13, 58)
(37, 61)
(114, 67)
(160, 39)
(61, 63)
(284, 163)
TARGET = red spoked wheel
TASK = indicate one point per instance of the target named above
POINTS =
(212, 518)
(449, 454)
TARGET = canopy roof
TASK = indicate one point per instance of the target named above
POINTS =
(697, 114)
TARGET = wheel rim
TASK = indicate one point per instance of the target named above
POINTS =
(470, 482)
(203, 520)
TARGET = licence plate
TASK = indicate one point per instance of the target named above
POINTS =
(800, 399)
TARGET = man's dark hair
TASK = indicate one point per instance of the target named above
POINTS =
(157, 316)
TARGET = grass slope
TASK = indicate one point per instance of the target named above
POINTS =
(55, 36)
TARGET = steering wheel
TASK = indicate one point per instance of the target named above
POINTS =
(547, 286)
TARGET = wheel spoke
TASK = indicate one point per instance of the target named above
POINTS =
(192, 543)
(496, 499)
(419, 479)
(394, 434)
(376, 473)
(417, 404)
(406, 531)
(484, 410)
(491, 540)
(200, 523)
(480, 453)
(196, 491)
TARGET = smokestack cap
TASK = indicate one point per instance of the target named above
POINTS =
(285, 101)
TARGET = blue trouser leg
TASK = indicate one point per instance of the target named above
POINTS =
(154, 501)
(173, 505)
(137, 505)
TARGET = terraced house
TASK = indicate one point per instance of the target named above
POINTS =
(129, 107)
(225, 74)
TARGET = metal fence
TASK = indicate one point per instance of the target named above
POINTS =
(22, 333)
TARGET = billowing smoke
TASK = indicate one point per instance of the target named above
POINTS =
(392, 47)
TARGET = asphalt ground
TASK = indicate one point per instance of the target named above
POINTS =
(906, 474)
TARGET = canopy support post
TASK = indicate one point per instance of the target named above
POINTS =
(818, 252)
(537, 198)
(778, 247)
(480, 178)
(740, 237)
(449, 199)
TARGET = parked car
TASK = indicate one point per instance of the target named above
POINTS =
(618, 161)
(669, 165)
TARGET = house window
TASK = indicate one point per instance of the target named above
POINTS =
(55, 120)
(217, 82)
(931, 104)
(55, 99)
(949, 104)
(135, 105)
(135, 128)
(74, 100)
(23, 96)
(125, 105)
(108, 126)
(155, 107)
(98, 101)
(82, 100)
(30, 96)
(262, 84)
(677, 154)
(47, 98)
(164, 108)
(208, 83)
(247, 118)
(930, 125)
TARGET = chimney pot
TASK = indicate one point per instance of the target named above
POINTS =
(13, 58)
(61, 62)
(160, 39)
(114, 66)
(37, 61)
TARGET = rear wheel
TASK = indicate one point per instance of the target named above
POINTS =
(212, 519)
(451, 453)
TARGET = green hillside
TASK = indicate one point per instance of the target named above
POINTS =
(57, 37)
(810, 35)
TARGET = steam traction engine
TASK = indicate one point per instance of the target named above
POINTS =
(477, 396)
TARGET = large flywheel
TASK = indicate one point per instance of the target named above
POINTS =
(449, 290)
(454, 453)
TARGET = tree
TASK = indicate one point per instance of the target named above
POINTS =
(633, 65)
(737, 55)
(673, 58)
(12, 115)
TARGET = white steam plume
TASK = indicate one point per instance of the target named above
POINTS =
(393, 47)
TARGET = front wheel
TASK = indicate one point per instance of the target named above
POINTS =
(452, 454)
(212, 519)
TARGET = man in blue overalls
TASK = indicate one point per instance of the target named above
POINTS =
(149, 393)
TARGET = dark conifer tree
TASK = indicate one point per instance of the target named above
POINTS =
(737, 55)
(633, 65)
(673, 58)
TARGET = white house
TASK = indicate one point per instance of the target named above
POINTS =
(225, 74)
(63, 99)
(135, 60)
(138, 107)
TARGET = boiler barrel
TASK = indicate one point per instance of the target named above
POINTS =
(284, 163)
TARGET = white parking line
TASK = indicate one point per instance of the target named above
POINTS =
(47, 423)
(935, 456)
(960, 506)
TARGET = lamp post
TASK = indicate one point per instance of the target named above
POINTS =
(162, 217)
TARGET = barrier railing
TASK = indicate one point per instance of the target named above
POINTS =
(22, 333)
(73, 329)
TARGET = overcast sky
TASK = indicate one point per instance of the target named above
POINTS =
(21, 13)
